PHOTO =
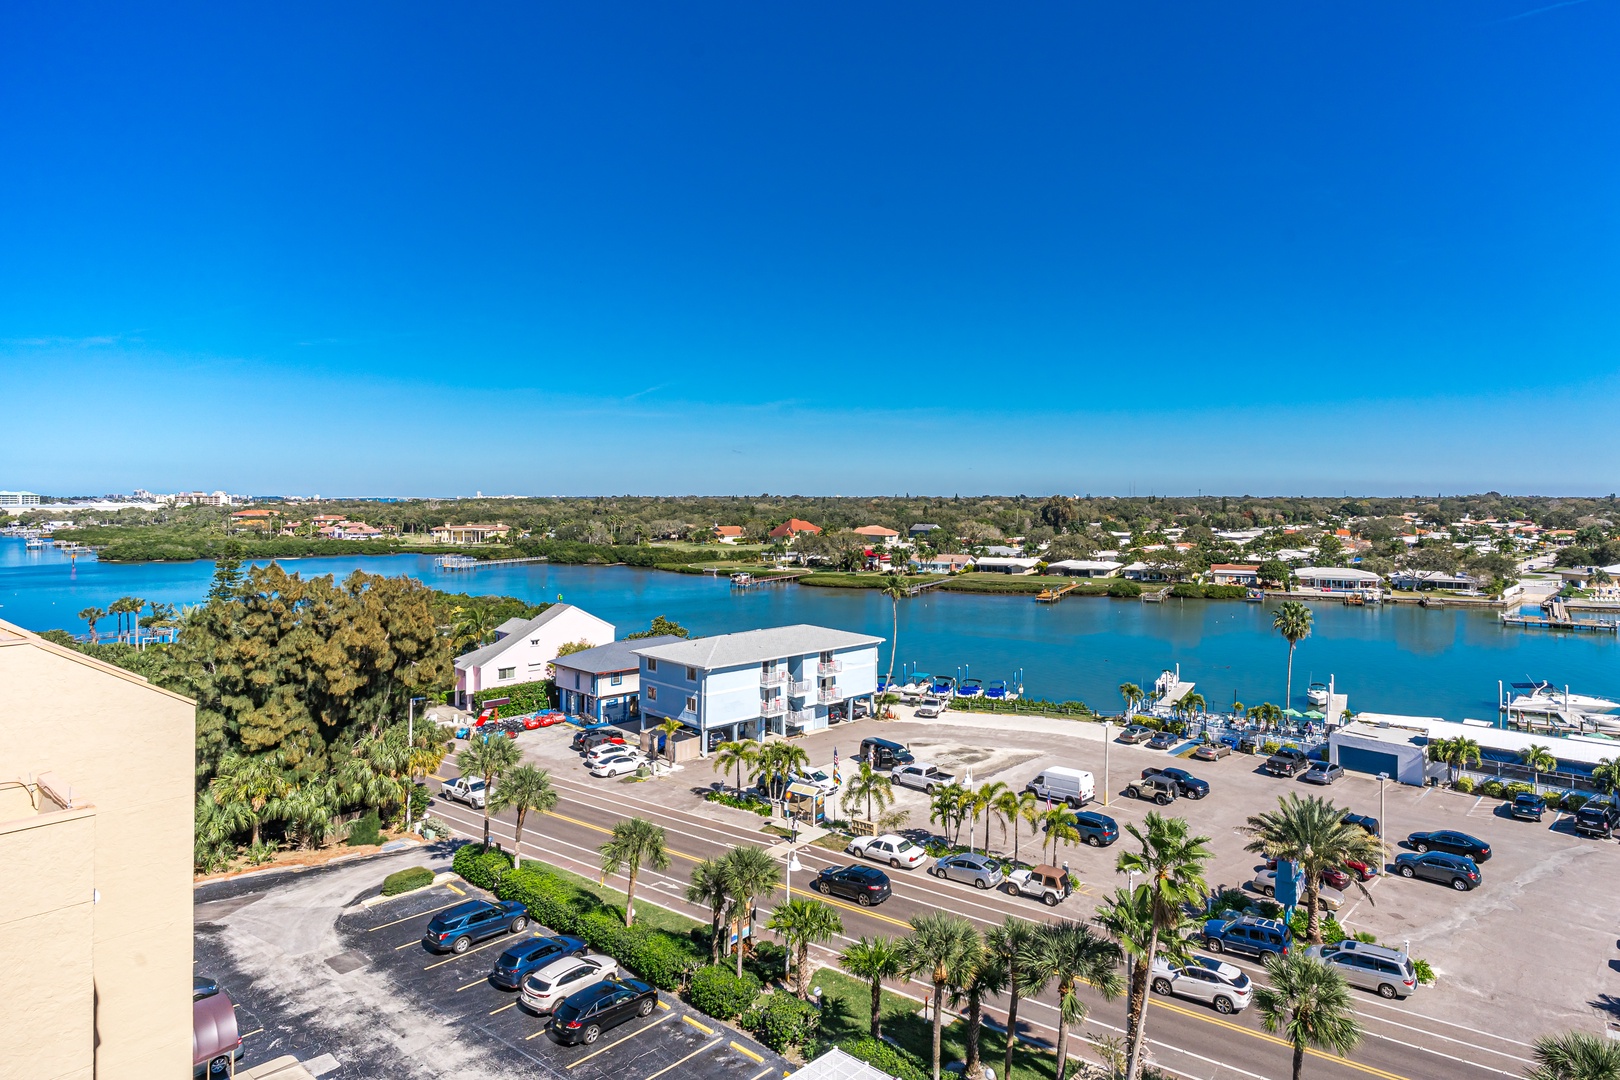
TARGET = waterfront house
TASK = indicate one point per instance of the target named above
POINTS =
(943, 564)
(877, 534)
(1234, 574)
(783, 680)
(1084, 567)
(524, 648)
(1336, 579)
(470, 534)
(604, 683)
(791, 528)
(1001, 551)
(1424, 580)
(728, 534)
(1145, 571)
(1005, 565)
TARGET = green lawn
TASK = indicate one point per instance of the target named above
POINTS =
(646, 915)
(1013, 583)
(871, 579)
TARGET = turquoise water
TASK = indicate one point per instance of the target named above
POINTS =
(1444, 662)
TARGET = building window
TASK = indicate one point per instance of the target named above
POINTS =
(691, 674)
(506, 673)
(691, 704)
(826, 657)
(652, 665)
(617, 679)
(652, 693)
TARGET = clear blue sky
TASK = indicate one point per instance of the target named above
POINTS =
(860, 248)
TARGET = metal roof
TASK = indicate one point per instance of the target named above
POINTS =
(755, 646)
(614, 656)
(837, 1065)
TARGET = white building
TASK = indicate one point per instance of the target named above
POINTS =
(1084, 567)
(524, 649)
(1337, 578)
(17, 500)
(1005, 565)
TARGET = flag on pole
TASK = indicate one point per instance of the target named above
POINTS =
(837, 778)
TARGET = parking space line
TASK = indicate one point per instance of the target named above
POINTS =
(503, 1008)
(408, 944)
(741, 1049)
(701, 1027)
(764, 1072)
(684, 1060)
(255, 1031)
(477, 948)
(408, 918)
(616, 1042)
(475, 982)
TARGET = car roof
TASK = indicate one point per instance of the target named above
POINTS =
(1220, 967)
(466, 907)
(871, 873)
(1093, 817)
(558, 966)
(593, 993)
(1367, 948)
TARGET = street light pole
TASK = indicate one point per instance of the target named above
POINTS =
(1382, 777)
(1108, 738)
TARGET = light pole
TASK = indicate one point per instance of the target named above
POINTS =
(410, 747)
(1382, 777)
(1108, 738)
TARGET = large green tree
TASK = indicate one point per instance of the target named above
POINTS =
(1312, 832)
(635, 843)
(1308, 1003)
(522, 789)
(1069, 954)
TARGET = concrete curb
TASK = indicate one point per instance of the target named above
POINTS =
(438, 879)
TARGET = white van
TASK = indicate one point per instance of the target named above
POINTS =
(1073, 786)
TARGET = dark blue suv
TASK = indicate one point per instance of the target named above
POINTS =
(455, 929)
(1246, 935)
(513, 965)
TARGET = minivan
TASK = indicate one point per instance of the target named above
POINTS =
(1059, 784)
(1387, 972)
(883, 754)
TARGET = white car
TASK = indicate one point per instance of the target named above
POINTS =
(607, 749)
(617, 764)
(1327, 897)
(1206, 979)
(821, 779)
(931, 707)
(543, 989)
(897, 851)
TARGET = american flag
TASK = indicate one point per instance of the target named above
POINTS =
(837, 778)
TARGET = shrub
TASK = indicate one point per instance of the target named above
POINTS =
(262, 852)
(722, 993)
(1491, 789)
(1124, 590)
(480, 868)
(402, 881)
(433, 829)
(782, 1021)
(1187, 590)
(366, 830)
(744, 802)
(661, 958)
(1573, 802)
(1516, 788)
(1464, 784)
(892, 1060)
(1425, 973)
(1366, 937)
(524, 697)
(550, 900)
(1270, 747)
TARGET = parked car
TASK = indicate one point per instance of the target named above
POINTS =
(866, 885)
(1598, 816)
(1136, 733)
(1058, 783)
(897, 851)
(585, 1014)
(1458, 871)
(1330, 876)
(1368, 825)
(618, 764)
(547, 986)
(1156, 788)
(464, 789)
(1212, 751)
(1098, 830)
(607, 749)
(1362, 871)
(1323, 772)
(1048, 884)
(1327, 897)
(1389, 973)
(1527, 807)
(1457, 843)
(884, 754)
(215, 1039)
(591, 738)
(456, 928)
(980, 871)
(821, 779)
(1214, 982)
(1162, 740)
(932, 707)
(1288, 762)
(1187, 785)
(513, 965)
(922, 776)
(1246, 935)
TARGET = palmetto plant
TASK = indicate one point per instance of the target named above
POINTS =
(1311, 832)
(736, 754)
(943, 948)
(1458, 753)
(802, 923)
(635, 843)
(1293, 621)
(872, 961)
(709, 888)
(867, 785)
(985, 976)
(669, 728)
(1606, 775)
(487, 757)
(1060, 828)
(523, 789)
(1308, 1003)
(1538, 759)
(1575, 1055)
(1069, 954)
(777, 761)
(249, 786)
(750, 873)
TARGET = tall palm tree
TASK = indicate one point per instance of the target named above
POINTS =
(1128, 916)
(984, 801)
(252, 783)
(944, 947)
(777, 761)
(867, 785)
(735, 754)
(802, 923)
(1171, 862)
(1060, 827)
(750, 874)
(1070, 953)
(635, 843)
(487, 758)
(1309, 1004)
(91, 616)
(1538, 759)
(872, 961)
(1293, 621)
(894, 587)
(1012, 807)
(134, 606)
(1575, 1055)
(985, 976)
(1012, 943)
(945, 806)
(1606, 775)
(1460, 753)
(1132, 694)
(1311, 832)
(525, 788)
(709, 888)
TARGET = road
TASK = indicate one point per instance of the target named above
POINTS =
(1400, 1042)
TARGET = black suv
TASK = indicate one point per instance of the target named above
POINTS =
(866, 885)
(1369, 825)
(1288, 761)
(1187, 785)
(1527, 807)
(1598, 816)
(455, 929)
(582, 1017)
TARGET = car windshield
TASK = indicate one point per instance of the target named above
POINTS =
(903, 846)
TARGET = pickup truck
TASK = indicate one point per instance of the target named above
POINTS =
(464, 789)
(931, 708)
(922, 776)
(1289, 761)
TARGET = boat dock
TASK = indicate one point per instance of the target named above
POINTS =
(749, 581)
(1157, 596)
(1169, 688)
(918, 590)
(467, 562)
(1557, 617)
(1052, 596)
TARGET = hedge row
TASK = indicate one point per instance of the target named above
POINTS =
(890, 1059)
(402, 881)
(525, 697)
(484, 869)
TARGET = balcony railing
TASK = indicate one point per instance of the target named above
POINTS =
(801, 716)
(829, 667)
(829, 694)
(772, 706)
(773, 678)
(801, 688)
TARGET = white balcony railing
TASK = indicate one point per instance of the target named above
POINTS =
(801, 716)
(772, 706)
(801, 688)
(829, 667)
(829, 694)
(773, 678)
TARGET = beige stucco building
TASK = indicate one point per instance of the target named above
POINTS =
(96, 783)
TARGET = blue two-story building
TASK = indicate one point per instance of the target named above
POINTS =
(784, 679)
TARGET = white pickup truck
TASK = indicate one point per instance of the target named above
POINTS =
(464, 789)
(922, 776)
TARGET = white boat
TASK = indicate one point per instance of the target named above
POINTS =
(1543, 697)
(1317, 695)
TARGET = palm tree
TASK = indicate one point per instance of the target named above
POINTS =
(1194, 703)
(1311, 832)
(523, 789)
(984, 801)
(709, 888)
(252, 784)
(945, 947)
(777, 761)
(1575, 1055)
(1309, 1004)
(1171, 863)
(868, 785)
(92, 615)
(894, 587)
(1012, 943)
(1606, 775)
(872, 962)
(669, 727)
(1070, 953)
(1128, 916)
(1132, 694)
(750, 874)
(134, 605)
(735, 754)
(1538, 759)
(801, 924)
(487, 758)
(1059, 825)
(475, 626)
(1293, 621)
(635, 843)
(1013, 807)
(986, 976)
(1460, 753)
(945, 806)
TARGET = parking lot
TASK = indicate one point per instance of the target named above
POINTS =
(316, 978)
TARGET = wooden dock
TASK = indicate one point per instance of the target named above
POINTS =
(467, 562)
(1157, 596)
(1546, 622)
(1052, 596)
(917, 590)
(750, 581)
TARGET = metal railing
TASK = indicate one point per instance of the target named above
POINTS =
(829, 667)
(773, 678)
(801, 688)
(801, 716)
(773, 706)
(829, 695)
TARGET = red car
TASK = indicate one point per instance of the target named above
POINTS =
(1362, 870)
(1332, 877)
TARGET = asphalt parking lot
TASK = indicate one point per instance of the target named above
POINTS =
(356, 990)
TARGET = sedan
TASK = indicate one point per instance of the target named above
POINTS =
(513, 965)
(1457, 843)
(605, 750)
(1135, 733)
(1527, 807)
(1458, 871)
(1327, 897)
(897, 851)
(1162, 740)
(545, 989)
(1206, 979)
(980, 871)
(616, 765)
(866, 885)
(583, 1016)
(1212, 751)
(1323, 772)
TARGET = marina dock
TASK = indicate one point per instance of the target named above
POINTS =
(1157, 596)
(1052, 596)
(467, 562)
(749, 581)
(1557, 617)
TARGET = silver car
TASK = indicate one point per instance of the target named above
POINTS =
(1387, 972)
(544, 989)
(980, 871)
(1218, 984)
(1327, 897)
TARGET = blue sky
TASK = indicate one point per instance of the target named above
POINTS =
(602, 248)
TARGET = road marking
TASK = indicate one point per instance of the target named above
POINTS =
(255, 1031)
(684, 1060)
(611, 1045)
(1274, 1040)
(475, 982)
(453, 957)
(765, 1072)
(408, 944)
(741, 1049)
(503, 1008)
(706, 1030)
(418, 915)
(453, 889)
